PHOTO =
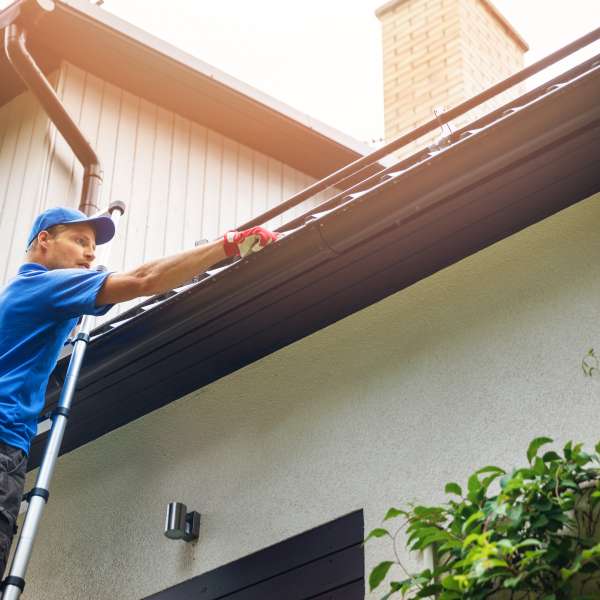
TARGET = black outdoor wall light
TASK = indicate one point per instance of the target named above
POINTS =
(180, 524)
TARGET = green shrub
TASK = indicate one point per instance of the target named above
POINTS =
(536, 537)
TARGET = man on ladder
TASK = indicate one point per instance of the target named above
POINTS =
(42, 305)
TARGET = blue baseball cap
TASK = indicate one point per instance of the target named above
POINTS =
(103, 225)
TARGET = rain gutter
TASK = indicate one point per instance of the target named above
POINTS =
(26, 16)
(351, 171)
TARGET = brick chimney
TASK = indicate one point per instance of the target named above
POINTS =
(438, 53)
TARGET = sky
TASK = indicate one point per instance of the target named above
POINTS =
(323, 57)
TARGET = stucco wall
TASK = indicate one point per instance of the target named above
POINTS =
(458, 371)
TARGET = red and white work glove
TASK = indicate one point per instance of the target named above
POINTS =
(242, 243)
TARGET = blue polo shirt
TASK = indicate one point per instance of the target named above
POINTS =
(38, 310)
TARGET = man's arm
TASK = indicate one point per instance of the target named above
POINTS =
(161, 275)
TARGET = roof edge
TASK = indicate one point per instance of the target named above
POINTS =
(523, 166)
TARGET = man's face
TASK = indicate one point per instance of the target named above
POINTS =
(72, 248)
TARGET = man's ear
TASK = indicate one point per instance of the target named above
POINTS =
(42, 239)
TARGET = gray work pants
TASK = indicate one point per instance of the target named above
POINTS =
(13, 466)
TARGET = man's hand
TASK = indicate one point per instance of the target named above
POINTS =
(242, 243)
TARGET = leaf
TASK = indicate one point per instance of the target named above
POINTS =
(528, 542)
(450, 583)
(524, 474)
(559, 517)
(541, 521)
(377, 533)
(506, 546)
(535, 445)
(432, 514)
(512, 582)
(397, 586)
(515, 482)
(423, 536)
(486, 482)
(429, 590)
(478, 516)
(392, 513)
(453, 488)
(550, 456)
(476, 491)
(493, 563)
(449, 545)
(597, 447)
(470, 539)
(570, 484)
(379, 573)
(539, 467)
(491, 469)
(515, 514)
(591, 553)
(439, 536)
(581, 458)
(566, 574)
(474, 484)
(542, 505)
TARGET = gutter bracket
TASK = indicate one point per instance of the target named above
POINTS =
(445, 138)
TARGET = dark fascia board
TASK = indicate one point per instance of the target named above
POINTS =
(83, 34)
(525, 167)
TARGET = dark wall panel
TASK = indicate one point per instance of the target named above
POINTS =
(324, 563)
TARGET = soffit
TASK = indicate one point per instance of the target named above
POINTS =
(115, 51)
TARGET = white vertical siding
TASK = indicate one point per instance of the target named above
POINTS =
(122, 179)
(177, 189)
(24, 145)
(59, 187)
(195, 183)
(180, 181)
